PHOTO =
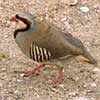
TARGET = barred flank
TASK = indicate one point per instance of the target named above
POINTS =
(39, 54)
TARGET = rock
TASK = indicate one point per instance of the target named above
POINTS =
(84, 9)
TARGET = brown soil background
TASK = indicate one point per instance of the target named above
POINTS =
(81, 80)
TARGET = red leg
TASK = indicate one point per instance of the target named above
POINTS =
(33, 70)
(59, 75)
(37, 68)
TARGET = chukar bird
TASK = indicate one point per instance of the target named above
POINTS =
(43, 43)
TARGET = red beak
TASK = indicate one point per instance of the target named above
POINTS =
(13, 19)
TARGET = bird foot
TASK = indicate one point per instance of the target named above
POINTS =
(33, 70)
(59, 76)
(58, 79)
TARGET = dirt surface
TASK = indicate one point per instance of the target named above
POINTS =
(81, 80)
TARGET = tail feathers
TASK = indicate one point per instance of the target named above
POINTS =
(90, 58)
(86, 57)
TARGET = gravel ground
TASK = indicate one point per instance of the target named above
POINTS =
(81, 80)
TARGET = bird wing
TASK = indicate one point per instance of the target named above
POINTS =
(78, 44)
(74, 41)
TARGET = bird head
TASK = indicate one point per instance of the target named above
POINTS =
(23, 20)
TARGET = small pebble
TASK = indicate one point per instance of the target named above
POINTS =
(16, 92)
(67, 24)
(55, 19)
(18, 80)
(31, 87)
(2, 55)
(76, 79)
(96, 70)
(8, 22)
(94, 84)
(22, 75)
(1, 84)
(3, 69)
(81, 98)
(46, 9)
(61, 85)
(63, 70)
(41, 18)
(72, 2)
(84, 9)
(73, 94)
(47, 17)
(64, 19)
(5, 36)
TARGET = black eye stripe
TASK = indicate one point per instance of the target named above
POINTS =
(22, 30)
(20, 18)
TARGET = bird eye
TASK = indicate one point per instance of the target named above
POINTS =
(17, 16)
